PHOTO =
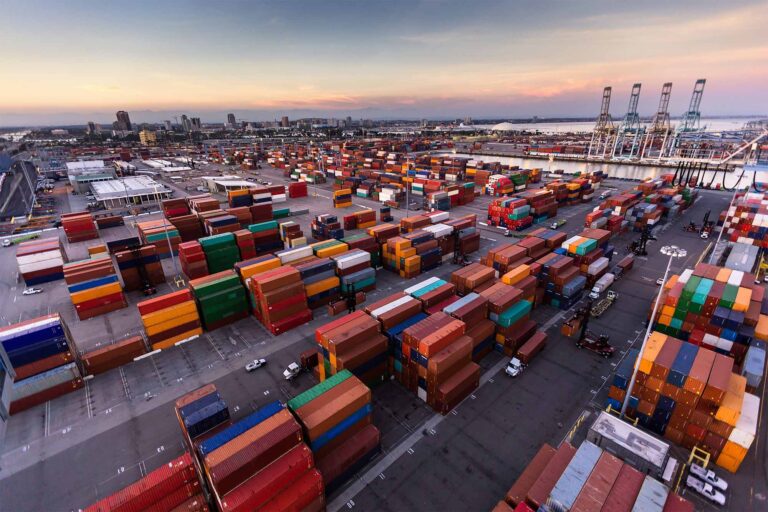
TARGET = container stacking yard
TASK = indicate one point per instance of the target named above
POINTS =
(416, 366)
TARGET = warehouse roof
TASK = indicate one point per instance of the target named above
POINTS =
(503, 127)
(631, 438)
(85, 165)
(126, 187)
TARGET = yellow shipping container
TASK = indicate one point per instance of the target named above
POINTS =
(667, 311)
(728, 463)
(258, 268)
(166, 314)
(652, 348)
(734, 450)
(321, 286)
(171, 341)
(573, 245)
(516, 275)
(406, 253)
(761, 330)
(723, 275)
(332, 251)
(742, 299)
(672, 281)
(97, 249)
(665, 319)
(171, 323)
(95, 293)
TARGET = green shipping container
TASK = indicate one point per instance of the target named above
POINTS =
(514, 313)
(217, 240)
(304, 398)
(262, 226)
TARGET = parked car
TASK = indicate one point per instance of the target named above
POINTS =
(32, 291)
(705, 490)
(255, 364)
(709, 476)
(660, 281)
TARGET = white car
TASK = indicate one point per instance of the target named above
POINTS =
(292, 371)
(514, 367)
(704, 235)
(255, 364)
(709, 476)
(705, 490)
(6, 243)
(32, 291)
(660, 281)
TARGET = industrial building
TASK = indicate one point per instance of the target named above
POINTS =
(81, 174)
(134, 190)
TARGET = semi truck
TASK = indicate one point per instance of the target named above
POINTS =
(526, 353)
(601, 285)
(603, 304)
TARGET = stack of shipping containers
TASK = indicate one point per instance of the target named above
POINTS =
(220, 298)
(690, 395)
(94, 287)
(43, 358)
(139, 267)
(40, 261)
(170, 318)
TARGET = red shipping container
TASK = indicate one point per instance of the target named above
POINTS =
(164, 301)
(530, 474)
(299, 495)
(265, 484)
(625, 490)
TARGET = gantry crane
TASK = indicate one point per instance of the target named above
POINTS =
(603, 128)
(630, 125)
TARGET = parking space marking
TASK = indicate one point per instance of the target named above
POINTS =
(47, 418)
(88, 403)
(126, 389)
(210, 340)
(157, 371)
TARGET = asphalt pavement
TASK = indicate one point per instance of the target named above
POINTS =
(95, 441)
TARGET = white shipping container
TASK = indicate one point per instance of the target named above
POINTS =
(685, 276)
(746, 426)
(22, 329)
(295, 254)
(40, 256)
(439, 230)
(392, 305)
(437, 217)
(412, 289)
(735, 278)
(40, 265)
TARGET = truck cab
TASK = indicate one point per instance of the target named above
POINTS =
(595, 293)
(514, 367)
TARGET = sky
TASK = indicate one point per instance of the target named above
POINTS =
(68, 62)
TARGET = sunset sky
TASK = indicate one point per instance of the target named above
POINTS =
(73, 61)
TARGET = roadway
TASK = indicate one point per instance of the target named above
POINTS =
(122, 425)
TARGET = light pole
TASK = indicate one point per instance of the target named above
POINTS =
(167, 236)
(722, 228)
(673, 252)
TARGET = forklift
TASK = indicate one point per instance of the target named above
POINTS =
(586, 339)
(146, 285)
(459, 258)
(638, 247)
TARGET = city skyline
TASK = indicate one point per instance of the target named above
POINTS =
(396, 60)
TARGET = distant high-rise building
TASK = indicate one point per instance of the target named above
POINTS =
(467, 120)
(348, 121)
(147, 137)
(196, 124)
(231, 121)
(186, 125)
(284, 122)
(124, 121)
(168, 126)
(93, 128)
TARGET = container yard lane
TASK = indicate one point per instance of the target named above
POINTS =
(122, 425)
